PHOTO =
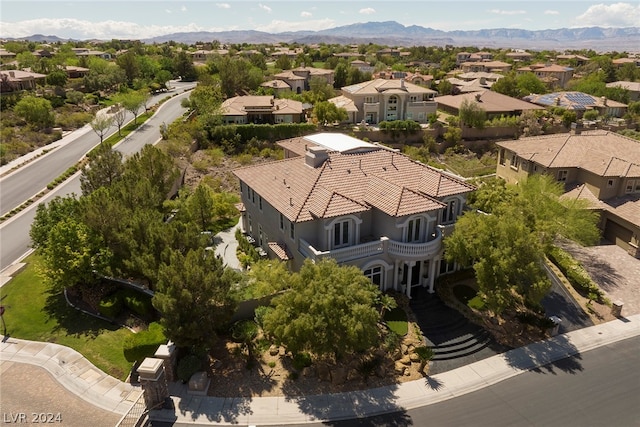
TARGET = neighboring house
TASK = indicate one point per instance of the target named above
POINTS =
(493, 103)
(578, 59)
(633, 88)
(464, 86)
(553, 75)
(202, 55)
(473, 57)
(277, 86)
(16, 80)
(74, 72)
(580, 102)
(363, 66)
(599, 166)
(519, 56)
(299, 78)
(82, 51)
(362, 204)
(622, 61)
(5, 54)
(386, 100)
(261, 110)
(488, 66)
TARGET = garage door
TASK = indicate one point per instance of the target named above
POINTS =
(617, 234)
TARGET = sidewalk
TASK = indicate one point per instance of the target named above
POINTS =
(79, 376)
(295, 410)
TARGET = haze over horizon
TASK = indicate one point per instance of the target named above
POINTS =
(142, 19)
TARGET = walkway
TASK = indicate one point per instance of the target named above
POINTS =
(81, 378)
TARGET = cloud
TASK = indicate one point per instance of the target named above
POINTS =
(264, 7)
(508, 12)
(305, 14)
(83, 30)
(223, 5)
(277, 26)
(609, 15)
(551, 12)
(367, 11)
(183, 8)
(167, 11)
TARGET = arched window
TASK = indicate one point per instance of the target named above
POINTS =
(376, 275)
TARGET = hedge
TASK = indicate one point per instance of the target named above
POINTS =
(574, 272)
(111, 305)
(144, 344)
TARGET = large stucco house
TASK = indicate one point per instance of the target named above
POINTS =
(380, 100)
(359, 203)
(599, 166)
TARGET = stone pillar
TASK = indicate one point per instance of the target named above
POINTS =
(154, 382)
(616, 308)
(169, 355)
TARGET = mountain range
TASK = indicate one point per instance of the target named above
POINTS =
(391, 33)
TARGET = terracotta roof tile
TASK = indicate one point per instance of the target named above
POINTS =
(280, 250)
(349, 183)
(600, 152)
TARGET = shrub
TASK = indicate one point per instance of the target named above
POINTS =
(301, 361)
(137, 302)
(144, 344)
(244, 331)
(260, 312)
(188, 366)
(574, 272)
(111, 305)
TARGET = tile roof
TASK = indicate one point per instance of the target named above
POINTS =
(351, 183)
(384, 86)
(242, 105)
(626, 207)
(630, 86)
(281, 250)
(490, 101)
(600, 152)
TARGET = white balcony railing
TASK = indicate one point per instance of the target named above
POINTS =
(407, 251)
(384, 245)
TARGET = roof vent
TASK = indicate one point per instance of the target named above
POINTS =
(315, 156)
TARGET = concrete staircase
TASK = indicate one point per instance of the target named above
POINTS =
(449, 333)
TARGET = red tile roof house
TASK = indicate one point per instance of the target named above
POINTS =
(599, 166)
(359, 203)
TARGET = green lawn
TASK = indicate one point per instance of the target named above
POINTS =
(397, 321)
(34, 313)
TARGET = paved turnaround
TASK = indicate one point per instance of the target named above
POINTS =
(79, 376)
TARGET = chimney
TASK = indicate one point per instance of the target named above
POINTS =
(478, 97)
(316, 156)
(401, 83)
(12, 74)
(604, 101)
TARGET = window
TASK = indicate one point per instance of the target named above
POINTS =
(260, 202)
(446, 267)
(630, 185)
(341, 234)
(502, 156)
(515, 161)
(375, 275)
(260, 238)
(450, 213)
(413, 98)
(413, 230)
(610, 183)
(369, 99)
(249, 224)
(292, 230)
(525, 166)
(562, 175)
(281, 222)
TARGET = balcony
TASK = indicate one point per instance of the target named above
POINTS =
(371, 106)
(383, 246)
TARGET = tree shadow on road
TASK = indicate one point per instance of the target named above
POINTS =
(557, 353)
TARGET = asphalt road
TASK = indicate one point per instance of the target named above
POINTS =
(14, 233)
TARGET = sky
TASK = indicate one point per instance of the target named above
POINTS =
(140, 19)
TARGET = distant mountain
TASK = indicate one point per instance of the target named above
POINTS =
(392, 33)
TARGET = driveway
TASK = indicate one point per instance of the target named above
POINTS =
(614, 270)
